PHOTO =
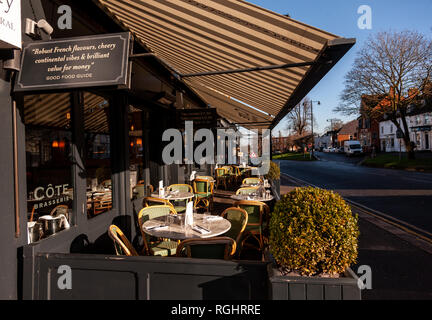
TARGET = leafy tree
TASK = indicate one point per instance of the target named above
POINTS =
(394, 68)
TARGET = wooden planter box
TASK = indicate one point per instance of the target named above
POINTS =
(313, 288)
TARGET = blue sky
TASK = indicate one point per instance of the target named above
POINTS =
(340, 17)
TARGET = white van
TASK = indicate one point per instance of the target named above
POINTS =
(352, 148)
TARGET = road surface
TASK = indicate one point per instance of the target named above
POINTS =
(404, 195)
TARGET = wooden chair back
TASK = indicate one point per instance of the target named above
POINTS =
(263, 210)
(212, 248)
(151, 201)
(246, 190)
(121, 243)
(239, 219)
(152, 212)
(181, 188)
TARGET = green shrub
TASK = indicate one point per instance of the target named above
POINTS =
(313, 231)
(274, 172)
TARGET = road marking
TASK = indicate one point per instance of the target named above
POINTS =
(417, 180)
(409, 228)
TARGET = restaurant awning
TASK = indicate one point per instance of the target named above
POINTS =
(214, 46)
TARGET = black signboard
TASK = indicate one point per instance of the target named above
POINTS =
(91, 61)
(202, 118)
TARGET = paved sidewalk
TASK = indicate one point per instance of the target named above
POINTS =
(400, 268)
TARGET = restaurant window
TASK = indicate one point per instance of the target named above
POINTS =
(48, 145)
(97, 154)
(136, 153)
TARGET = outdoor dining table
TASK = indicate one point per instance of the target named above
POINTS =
(216, 226)
(241, 197)
(268, 186)
(175, 196)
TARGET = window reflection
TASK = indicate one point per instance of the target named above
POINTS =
(97, 158)
(136, 153)
(48, 139)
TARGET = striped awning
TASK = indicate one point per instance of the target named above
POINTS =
(196, 36)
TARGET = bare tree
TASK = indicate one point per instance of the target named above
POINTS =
(393, 65)
(335, 124)
(299, 119)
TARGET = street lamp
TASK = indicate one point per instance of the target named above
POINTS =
(312, 125)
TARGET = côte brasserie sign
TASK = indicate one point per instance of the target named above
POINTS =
(10, 24)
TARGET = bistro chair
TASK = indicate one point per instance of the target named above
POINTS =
(180, 188)
(101, 205)
(234, 177)
(247, 190)
(221, 178)
(106, 184)
(60, 209)
(162, 248)
(231, 175)
(141, 190)
(252, 181)
(246, 172)
(238, 219)
(258, 215)
(122, 245)
(151, 201)
(203, 190)
(212, 248)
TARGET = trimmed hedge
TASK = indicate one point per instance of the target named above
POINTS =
(274, 172)
(313, 231)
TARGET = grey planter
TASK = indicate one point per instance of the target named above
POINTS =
(275, 187)
(313, 288)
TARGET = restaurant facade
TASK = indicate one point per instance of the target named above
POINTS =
(84, 104)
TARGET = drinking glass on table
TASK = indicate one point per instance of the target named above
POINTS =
(169, 220)
(206, 221)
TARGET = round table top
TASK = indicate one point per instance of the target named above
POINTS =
(241, 197)
(255, 185)
(175, 196)
(216, 226)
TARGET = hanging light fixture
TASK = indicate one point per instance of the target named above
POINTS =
(55, 144)
(139, 142)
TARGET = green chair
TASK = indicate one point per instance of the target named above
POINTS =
(247, 190)
(221, 178)
(121, 244)
(231, 175)
(239, 219)
(181, 188)
(141, 190)
(252, 181)
(203, 190)
(258, 217)
(212, 248)
(162, 248)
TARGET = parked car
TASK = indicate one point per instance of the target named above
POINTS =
(330, 150)
(352, 148)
